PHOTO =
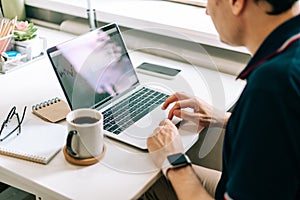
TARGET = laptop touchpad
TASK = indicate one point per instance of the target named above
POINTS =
(145, 126)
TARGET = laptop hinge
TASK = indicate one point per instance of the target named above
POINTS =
(103, 105)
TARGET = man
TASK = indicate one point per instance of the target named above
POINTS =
(261, 150)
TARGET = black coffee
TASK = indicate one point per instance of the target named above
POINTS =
(85, 120)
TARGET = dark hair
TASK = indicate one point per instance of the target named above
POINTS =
(279, 6)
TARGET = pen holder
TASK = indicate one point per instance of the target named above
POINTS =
(29, 51)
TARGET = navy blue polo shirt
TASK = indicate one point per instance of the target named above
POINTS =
(261, 150)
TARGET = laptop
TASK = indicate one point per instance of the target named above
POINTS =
(95, 71)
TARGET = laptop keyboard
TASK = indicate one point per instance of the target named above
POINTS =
(134, 107)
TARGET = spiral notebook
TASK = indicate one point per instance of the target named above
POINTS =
(38, 141)
(53, 110)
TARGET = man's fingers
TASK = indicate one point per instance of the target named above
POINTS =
(197, 118)
(163, 122)
(189, 116)
(162, 136)
(168, 101)
(173, 98)
(187, 103)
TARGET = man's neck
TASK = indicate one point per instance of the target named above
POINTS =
(261, 26)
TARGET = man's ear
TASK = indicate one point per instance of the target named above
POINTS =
(237, 6)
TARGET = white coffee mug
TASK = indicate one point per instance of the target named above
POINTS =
(85, 133)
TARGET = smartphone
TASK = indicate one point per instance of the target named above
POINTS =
(158, 70)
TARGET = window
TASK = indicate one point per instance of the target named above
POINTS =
(201, 3)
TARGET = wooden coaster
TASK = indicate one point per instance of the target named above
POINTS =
(86, 161)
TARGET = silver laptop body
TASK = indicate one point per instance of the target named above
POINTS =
(95, 71)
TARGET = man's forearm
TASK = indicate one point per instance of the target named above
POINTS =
(186, 184)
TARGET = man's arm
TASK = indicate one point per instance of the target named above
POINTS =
(186, 184)
(166, 141)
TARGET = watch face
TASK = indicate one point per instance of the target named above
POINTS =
(177, 159)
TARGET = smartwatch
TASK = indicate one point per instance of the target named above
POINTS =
(175, 161)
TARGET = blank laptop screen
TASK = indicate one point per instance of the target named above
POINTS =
(93, 68)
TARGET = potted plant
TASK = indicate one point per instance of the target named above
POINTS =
(24, 31)
(26, 39)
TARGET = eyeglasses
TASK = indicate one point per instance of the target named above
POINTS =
(11, 123)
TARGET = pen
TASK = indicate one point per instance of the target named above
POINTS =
(6, 30)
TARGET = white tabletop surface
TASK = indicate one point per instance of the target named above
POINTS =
(124, 173)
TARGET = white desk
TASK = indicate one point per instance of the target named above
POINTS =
(124, 173)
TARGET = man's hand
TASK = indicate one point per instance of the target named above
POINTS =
(164, 141)
(203, 114)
